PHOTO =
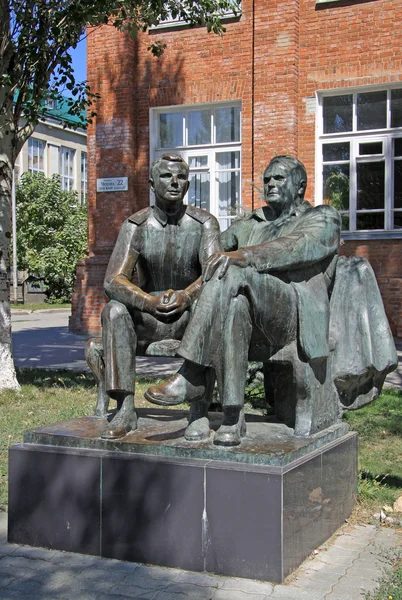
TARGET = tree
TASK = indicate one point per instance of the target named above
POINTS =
(52, 233)
(35, 40)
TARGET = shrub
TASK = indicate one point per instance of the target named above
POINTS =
(51, 233)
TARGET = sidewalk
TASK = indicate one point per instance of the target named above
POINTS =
(345, 568)
(41, 339)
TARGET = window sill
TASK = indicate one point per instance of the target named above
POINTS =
(371, 235)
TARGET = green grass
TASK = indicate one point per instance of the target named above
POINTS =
(46, 397)
(379, 426)
(38, 306)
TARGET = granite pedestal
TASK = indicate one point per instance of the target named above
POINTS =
(254, 511)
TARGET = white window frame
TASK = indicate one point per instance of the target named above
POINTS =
(67, 182)
(210, 150)
(177, 22)
(355, 137)
(36, 144)
(84, 176)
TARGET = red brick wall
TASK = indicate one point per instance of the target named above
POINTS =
(274, 59)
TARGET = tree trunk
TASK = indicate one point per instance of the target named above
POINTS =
(8, 379)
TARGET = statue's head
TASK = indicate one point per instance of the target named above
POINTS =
(285, 182)
(169, 178)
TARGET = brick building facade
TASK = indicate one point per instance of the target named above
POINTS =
(321, 80)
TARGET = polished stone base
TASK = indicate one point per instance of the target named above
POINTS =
(254, 514)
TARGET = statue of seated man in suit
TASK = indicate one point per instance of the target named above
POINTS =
(269, 287)
(166, 245)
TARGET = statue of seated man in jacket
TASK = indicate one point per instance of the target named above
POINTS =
(166, 245)
(280, 294)
(270, 287)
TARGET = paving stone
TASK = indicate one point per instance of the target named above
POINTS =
(150, 578)
(313, 585)
(222, 594)
(6, 548)
(284, 592)
(34, 553)
(27, 586)
(192, 592)
(111, 564)
(248, 586)
(339, 556)
(120, 591)
(203, 579)
(5, 580)
(349, 588)
(71, 559)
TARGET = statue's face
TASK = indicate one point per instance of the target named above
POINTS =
(170, 181)
(279, 189)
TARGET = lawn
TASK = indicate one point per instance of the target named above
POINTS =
(33, 306)
(50, 396)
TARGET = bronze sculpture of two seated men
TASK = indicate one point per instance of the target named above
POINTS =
(267, 288)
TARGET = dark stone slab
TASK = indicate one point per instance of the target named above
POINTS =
(54, 500)
(318, 495)
(160, 433)
(152, 512)
(244, 524)
(222, 515)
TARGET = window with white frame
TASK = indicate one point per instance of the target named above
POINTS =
(36, 155)
(66, 168)
(209, 138)
(172, 21)
(84, 177)
(360, 158)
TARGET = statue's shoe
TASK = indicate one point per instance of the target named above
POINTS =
(232, 429)
(198, 431)
(175, 390)
(198, 428)
(120, 426)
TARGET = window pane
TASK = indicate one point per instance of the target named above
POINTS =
(398, 147)
(397, 219)
(372, 110)
(199, 127)
(338, 113)
(373, 221)
(396, 108)
(171, 130)
(345, 222)
(228, 192)
(227, 123)
(198, 161)
(336, 186)
(331, 152)
(199, 190)
(398, 184)
(370, 148)
(228, 160)
(370, 186)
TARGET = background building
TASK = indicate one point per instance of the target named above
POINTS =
(56, 147)
(319, 79)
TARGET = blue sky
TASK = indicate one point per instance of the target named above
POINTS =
(80, 61)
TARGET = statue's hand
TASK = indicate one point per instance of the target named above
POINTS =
(221, 261)
(172, 303)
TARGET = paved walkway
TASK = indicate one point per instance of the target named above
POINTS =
(42, 339)
(345, 568)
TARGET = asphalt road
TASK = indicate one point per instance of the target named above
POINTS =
(42, 339)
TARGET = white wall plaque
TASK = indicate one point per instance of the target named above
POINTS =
(112, 184)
